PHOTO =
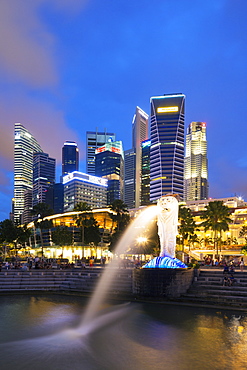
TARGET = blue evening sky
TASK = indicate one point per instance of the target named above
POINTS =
(70, 66)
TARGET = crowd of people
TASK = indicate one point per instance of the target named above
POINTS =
(220, 262)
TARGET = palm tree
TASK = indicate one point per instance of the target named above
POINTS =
(92, 232)
(243, 233)
(61, 236)
(187, 224)
(207, 240)
(84, 212)
(193, 238)
(121, 217)
(24, 234)
(122, 214)
(216, 216)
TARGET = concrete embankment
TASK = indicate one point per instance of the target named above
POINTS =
(83, 280)
(206, 290)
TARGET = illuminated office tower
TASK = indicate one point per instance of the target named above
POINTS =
(55, 197)
(145, 173)
(44, 169)
(129, 177)
(196, 162)
(25, 145)
(167, 146)
(109, 164)
(95, 139)
(83, 188)
(70, 157)
(26, 216)
(133, 159)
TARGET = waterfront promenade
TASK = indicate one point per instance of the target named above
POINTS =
(207, 288)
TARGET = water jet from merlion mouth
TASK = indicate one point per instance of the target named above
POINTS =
(129, 235)
(167, 211)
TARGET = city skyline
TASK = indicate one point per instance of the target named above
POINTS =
(72, 66)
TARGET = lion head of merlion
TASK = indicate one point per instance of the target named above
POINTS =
(168, 204)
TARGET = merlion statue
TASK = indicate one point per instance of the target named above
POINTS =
(167, 231)
(168, 225)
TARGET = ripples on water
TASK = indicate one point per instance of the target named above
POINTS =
(44, 332)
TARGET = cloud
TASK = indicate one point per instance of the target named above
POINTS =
(26, 46)
(45, 122)
(71, 6)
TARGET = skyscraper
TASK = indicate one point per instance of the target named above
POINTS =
(81, 187)
(167, 145)
(109, 164)
(44, 169)
(129, 177)
(55, 197)
(70, 157)
(145, 173)
(196, 162)
(24, 146)
(132, 182)
(95, 139)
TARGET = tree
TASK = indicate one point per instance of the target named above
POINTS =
(216, 216)
(24, 234)
(61, 236)
(10, 233)
(122, 214)
(207, 240)
(92, 232)
(193, 238)
(121, 218)
(41, 210)
(81, 218)
(187, 224)
(243, 233)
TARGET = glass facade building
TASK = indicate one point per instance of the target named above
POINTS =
(133, 159)
(94, 140)
(70, 157)
(81, 187)
(109, 165)
(167, 146)
(25, 145)
(196, 163)
(145, 173)
(55, 197)
(129, 177)
(44, 170)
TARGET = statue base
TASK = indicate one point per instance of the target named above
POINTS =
(161, 283)
(165, 262)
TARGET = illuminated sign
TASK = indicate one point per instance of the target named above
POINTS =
(84, 177)
(167, 109)
(146, 143)
(109, 148)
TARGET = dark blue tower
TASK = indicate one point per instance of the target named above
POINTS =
(70, 157)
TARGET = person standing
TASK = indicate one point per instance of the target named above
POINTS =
(242, 265)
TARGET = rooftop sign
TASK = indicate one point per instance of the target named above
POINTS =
(167, 109)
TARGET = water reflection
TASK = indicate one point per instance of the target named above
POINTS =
(43, 332)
